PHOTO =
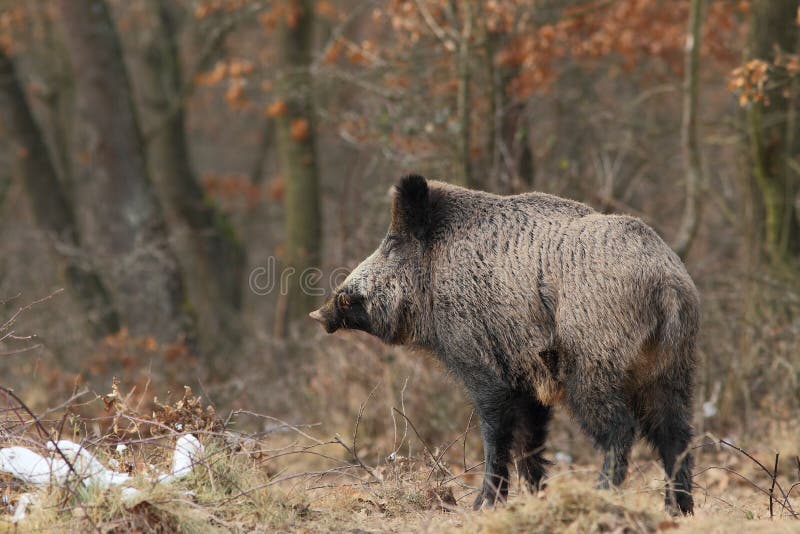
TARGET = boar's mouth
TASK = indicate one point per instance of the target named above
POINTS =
(342, 311)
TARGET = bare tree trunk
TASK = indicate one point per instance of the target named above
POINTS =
(773, 131)
(214, 260)
(512, 168)
(51, 209)
(296, 144)
(493, 119)
(526, 168)
(516, 154)
(125, 224)
(262, 152)
(464, 100)
(57, 93)
(690, 143)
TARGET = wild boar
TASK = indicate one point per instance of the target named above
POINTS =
(534, 301)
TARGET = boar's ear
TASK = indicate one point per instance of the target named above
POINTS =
(411, 206)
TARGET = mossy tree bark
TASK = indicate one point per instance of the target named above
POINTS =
(214, 262)
(773, 131)
(51, 209)
(125, 222)
(296, 144)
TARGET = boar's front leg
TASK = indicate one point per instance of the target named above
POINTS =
(494, 405)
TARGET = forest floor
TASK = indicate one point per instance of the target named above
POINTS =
(288, 479)
(405, 504)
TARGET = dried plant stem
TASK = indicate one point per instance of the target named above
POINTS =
(772, 488)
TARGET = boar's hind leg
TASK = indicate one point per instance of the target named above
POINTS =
(530, 433)
(665, 424)
(596, 400)
(494, 406)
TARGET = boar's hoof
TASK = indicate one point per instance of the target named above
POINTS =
(679, 503)
(490, 495)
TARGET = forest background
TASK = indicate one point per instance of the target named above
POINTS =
(169, 169)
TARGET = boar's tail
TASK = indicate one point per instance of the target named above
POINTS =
(678, 315)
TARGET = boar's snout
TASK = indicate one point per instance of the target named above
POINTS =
(327, 316)
(346, 309)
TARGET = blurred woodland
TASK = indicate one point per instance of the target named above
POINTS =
(160, 160)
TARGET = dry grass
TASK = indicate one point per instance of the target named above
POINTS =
(301, 479)
(234, 494)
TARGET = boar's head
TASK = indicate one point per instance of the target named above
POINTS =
(384, 294)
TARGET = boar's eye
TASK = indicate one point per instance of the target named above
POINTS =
(391, 243)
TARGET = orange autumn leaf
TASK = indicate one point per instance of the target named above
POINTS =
(293, 14)
(202, 11)
(326, 9)
(235, 95)
(150, 344)
(276, 108)
(240, 67)
(357, 57)
(213, 76)
(333, 53)
(299, 129)
(749, 81)
(6, 43)
(269, 18)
